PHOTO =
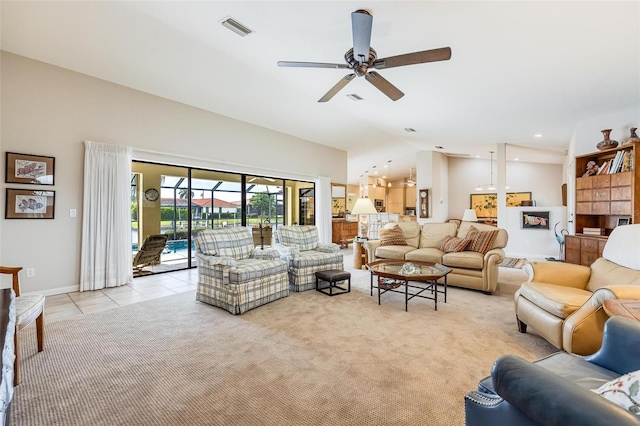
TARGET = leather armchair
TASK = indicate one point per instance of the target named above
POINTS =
(557, 389)
(563, 302)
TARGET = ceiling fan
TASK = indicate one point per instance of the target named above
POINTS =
(361, 58)
(410, 181)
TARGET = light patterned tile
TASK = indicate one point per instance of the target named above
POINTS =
(122, 290)
(184, 288)
(161, 293)
(57, 300)
(131, 300)
(85, 295)
(49, 318)
(67, 307)
(93, 301)
(99, 307)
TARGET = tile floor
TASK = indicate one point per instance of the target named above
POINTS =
(61, 306)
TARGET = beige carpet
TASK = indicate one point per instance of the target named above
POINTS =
(308, 359)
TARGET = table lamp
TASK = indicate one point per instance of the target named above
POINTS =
(363, 206)
(469, 216)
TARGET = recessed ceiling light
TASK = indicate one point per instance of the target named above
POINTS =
(354, 97)
(235, 26)
(516, 159)
(409, 129)
(537, 135)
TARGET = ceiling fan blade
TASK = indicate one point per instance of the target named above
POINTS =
(384, 86)
(335, 89)
(434, 55)
(310, 64)
(361, 22)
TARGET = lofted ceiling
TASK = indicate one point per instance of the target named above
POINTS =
(518, 68)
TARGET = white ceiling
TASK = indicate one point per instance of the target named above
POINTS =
(518, 68)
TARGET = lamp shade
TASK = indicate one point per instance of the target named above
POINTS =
(469, 215)
(364, 206)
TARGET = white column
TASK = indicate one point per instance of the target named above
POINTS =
(501, 185)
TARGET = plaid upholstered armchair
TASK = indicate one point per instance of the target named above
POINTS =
(235, 276)
(301, 247)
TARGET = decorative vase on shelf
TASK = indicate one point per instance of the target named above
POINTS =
(606, 143)
(633, 137)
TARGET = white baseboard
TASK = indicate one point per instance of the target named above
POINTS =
(54, 291)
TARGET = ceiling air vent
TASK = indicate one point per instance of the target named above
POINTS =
(236, 27)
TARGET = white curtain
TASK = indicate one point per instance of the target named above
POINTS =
(106, 219)
(323, 208)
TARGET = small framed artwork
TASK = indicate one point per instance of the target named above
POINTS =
(535, 220)
(27, 204)
(624, 221)
(25, 168)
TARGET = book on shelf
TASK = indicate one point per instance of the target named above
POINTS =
(604, 168)
(614, 163)
(592, 231)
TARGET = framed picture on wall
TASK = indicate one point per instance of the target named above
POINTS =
(27, 204)
(26, 168)
(535, 220)
(486, 205)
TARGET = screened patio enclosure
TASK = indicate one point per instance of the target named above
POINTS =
(194, 199)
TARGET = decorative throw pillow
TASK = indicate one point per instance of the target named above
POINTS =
(623, 391)
(392, 237)
(481, 241)
(453, 244)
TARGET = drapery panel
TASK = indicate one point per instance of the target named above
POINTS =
(323, 208)
(106, 220)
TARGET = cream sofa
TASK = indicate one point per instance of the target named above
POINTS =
(470, 269)
(563, 302)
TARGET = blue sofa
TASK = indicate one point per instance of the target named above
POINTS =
(557, 390)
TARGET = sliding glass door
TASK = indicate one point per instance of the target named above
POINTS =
(194, 199)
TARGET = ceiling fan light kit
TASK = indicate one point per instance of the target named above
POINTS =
(362, 58)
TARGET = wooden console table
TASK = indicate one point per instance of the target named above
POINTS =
(622, 307)
(343, 232)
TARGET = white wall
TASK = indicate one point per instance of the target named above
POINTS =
(50, 111)
(534, 243)
(432, 173)
(544, 181)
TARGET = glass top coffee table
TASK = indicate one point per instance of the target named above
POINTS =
(393, 275)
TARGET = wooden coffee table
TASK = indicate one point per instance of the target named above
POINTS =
(390, 276)
(622, 307)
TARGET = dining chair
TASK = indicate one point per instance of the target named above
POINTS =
(29, 308)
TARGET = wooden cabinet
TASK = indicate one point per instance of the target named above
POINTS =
(379, 193)
(602, 199)
(410, 196)
(395, 200)
(583, 249)
(343, 232)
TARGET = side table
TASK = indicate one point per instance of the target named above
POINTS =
(622, 307)
(360, 254)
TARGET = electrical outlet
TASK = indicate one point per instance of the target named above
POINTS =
(73, 213)
(31, 272)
